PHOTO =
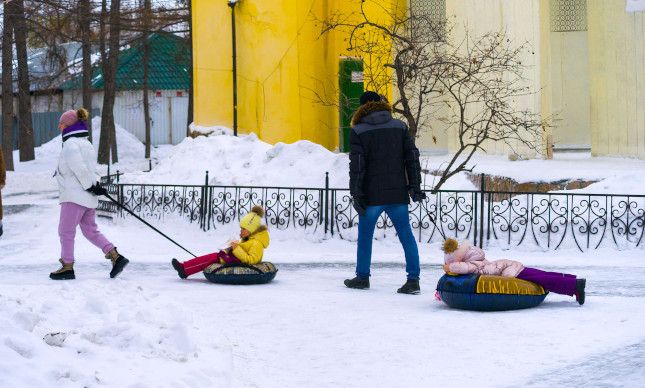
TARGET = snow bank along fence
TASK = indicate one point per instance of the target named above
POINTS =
(544, 221)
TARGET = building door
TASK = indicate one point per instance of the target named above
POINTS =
(178, 118)
(350, 86)
(570, 75)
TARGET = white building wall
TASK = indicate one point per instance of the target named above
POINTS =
(168, 113)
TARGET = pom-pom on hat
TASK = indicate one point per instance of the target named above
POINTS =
(450, 245)
(253, 220)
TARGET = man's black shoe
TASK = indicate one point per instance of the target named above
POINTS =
(410, 287)
(358, 283)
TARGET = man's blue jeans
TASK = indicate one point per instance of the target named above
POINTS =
(401, 220)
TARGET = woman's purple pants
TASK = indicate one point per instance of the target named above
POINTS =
(71, 216)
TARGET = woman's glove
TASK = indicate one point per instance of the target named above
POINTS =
(97, 189)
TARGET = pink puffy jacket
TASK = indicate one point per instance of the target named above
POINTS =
(470, 259)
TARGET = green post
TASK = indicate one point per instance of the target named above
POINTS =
(350, 86)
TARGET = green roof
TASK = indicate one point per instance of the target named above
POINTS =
(169, 66)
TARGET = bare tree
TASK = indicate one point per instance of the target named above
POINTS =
(7, 85)
(26, 134)
(107, 142)
(53, 23)
(470, 87)
(146, 72)
(85, 14)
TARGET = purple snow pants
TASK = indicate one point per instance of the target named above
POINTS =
(71, 216)
(560, 283)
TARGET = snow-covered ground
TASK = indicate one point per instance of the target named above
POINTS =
(148, 328)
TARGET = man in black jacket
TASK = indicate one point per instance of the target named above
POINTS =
(384, 172)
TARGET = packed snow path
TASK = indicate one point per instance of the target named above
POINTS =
(148, 328)
(305, 329)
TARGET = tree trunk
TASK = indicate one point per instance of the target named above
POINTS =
(84, 22)
(190, 73)
(7, 86)
(146, 71)
(24, 99)
(107, 142)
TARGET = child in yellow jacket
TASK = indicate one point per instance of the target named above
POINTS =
(254, 239)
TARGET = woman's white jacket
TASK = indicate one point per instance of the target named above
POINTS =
(76, 172)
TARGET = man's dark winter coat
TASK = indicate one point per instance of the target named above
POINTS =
(384, 162)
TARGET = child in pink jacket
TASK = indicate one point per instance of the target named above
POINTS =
(465, 258)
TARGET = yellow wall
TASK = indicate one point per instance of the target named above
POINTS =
(617, 88)
(281, 61)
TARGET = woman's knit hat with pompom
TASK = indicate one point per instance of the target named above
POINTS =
(253, 220)
(71, 117)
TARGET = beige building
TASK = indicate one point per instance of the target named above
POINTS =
(587, 66)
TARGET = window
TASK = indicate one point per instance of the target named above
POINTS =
(436, 9)
(568, 15)
(432, 11)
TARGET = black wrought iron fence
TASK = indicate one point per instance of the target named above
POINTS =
(110, 181)
(542, 220)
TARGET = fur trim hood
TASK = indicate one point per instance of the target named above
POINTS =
(368, 108)
(261, 235)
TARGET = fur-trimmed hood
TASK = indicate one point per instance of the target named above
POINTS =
(261, 234)
(369, 108)
(251, 249)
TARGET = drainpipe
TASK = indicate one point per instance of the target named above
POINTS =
(232, 4)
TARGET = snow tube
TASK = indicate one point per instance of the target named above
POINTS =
(489, 293)
(239, 273)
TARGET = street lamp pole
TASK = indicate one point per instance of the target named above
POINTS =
(232, 4)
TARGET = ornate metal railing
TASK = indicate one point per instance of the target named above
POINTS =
(541, 220)
(110, 181)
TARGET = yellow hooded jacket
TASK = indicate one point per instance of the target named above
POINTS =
(250, 251)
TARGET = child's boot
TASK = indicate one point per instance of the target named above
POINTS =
(118, 262)
(66, 272)
(410, 287)
(179, 268)
(580, 291)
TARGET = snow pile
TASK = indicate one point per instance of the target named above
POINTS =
(629, 183)
(210, 131)
(95, 339)
(246, 160)
(562, 168)
(37, 175)
(129, 148)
